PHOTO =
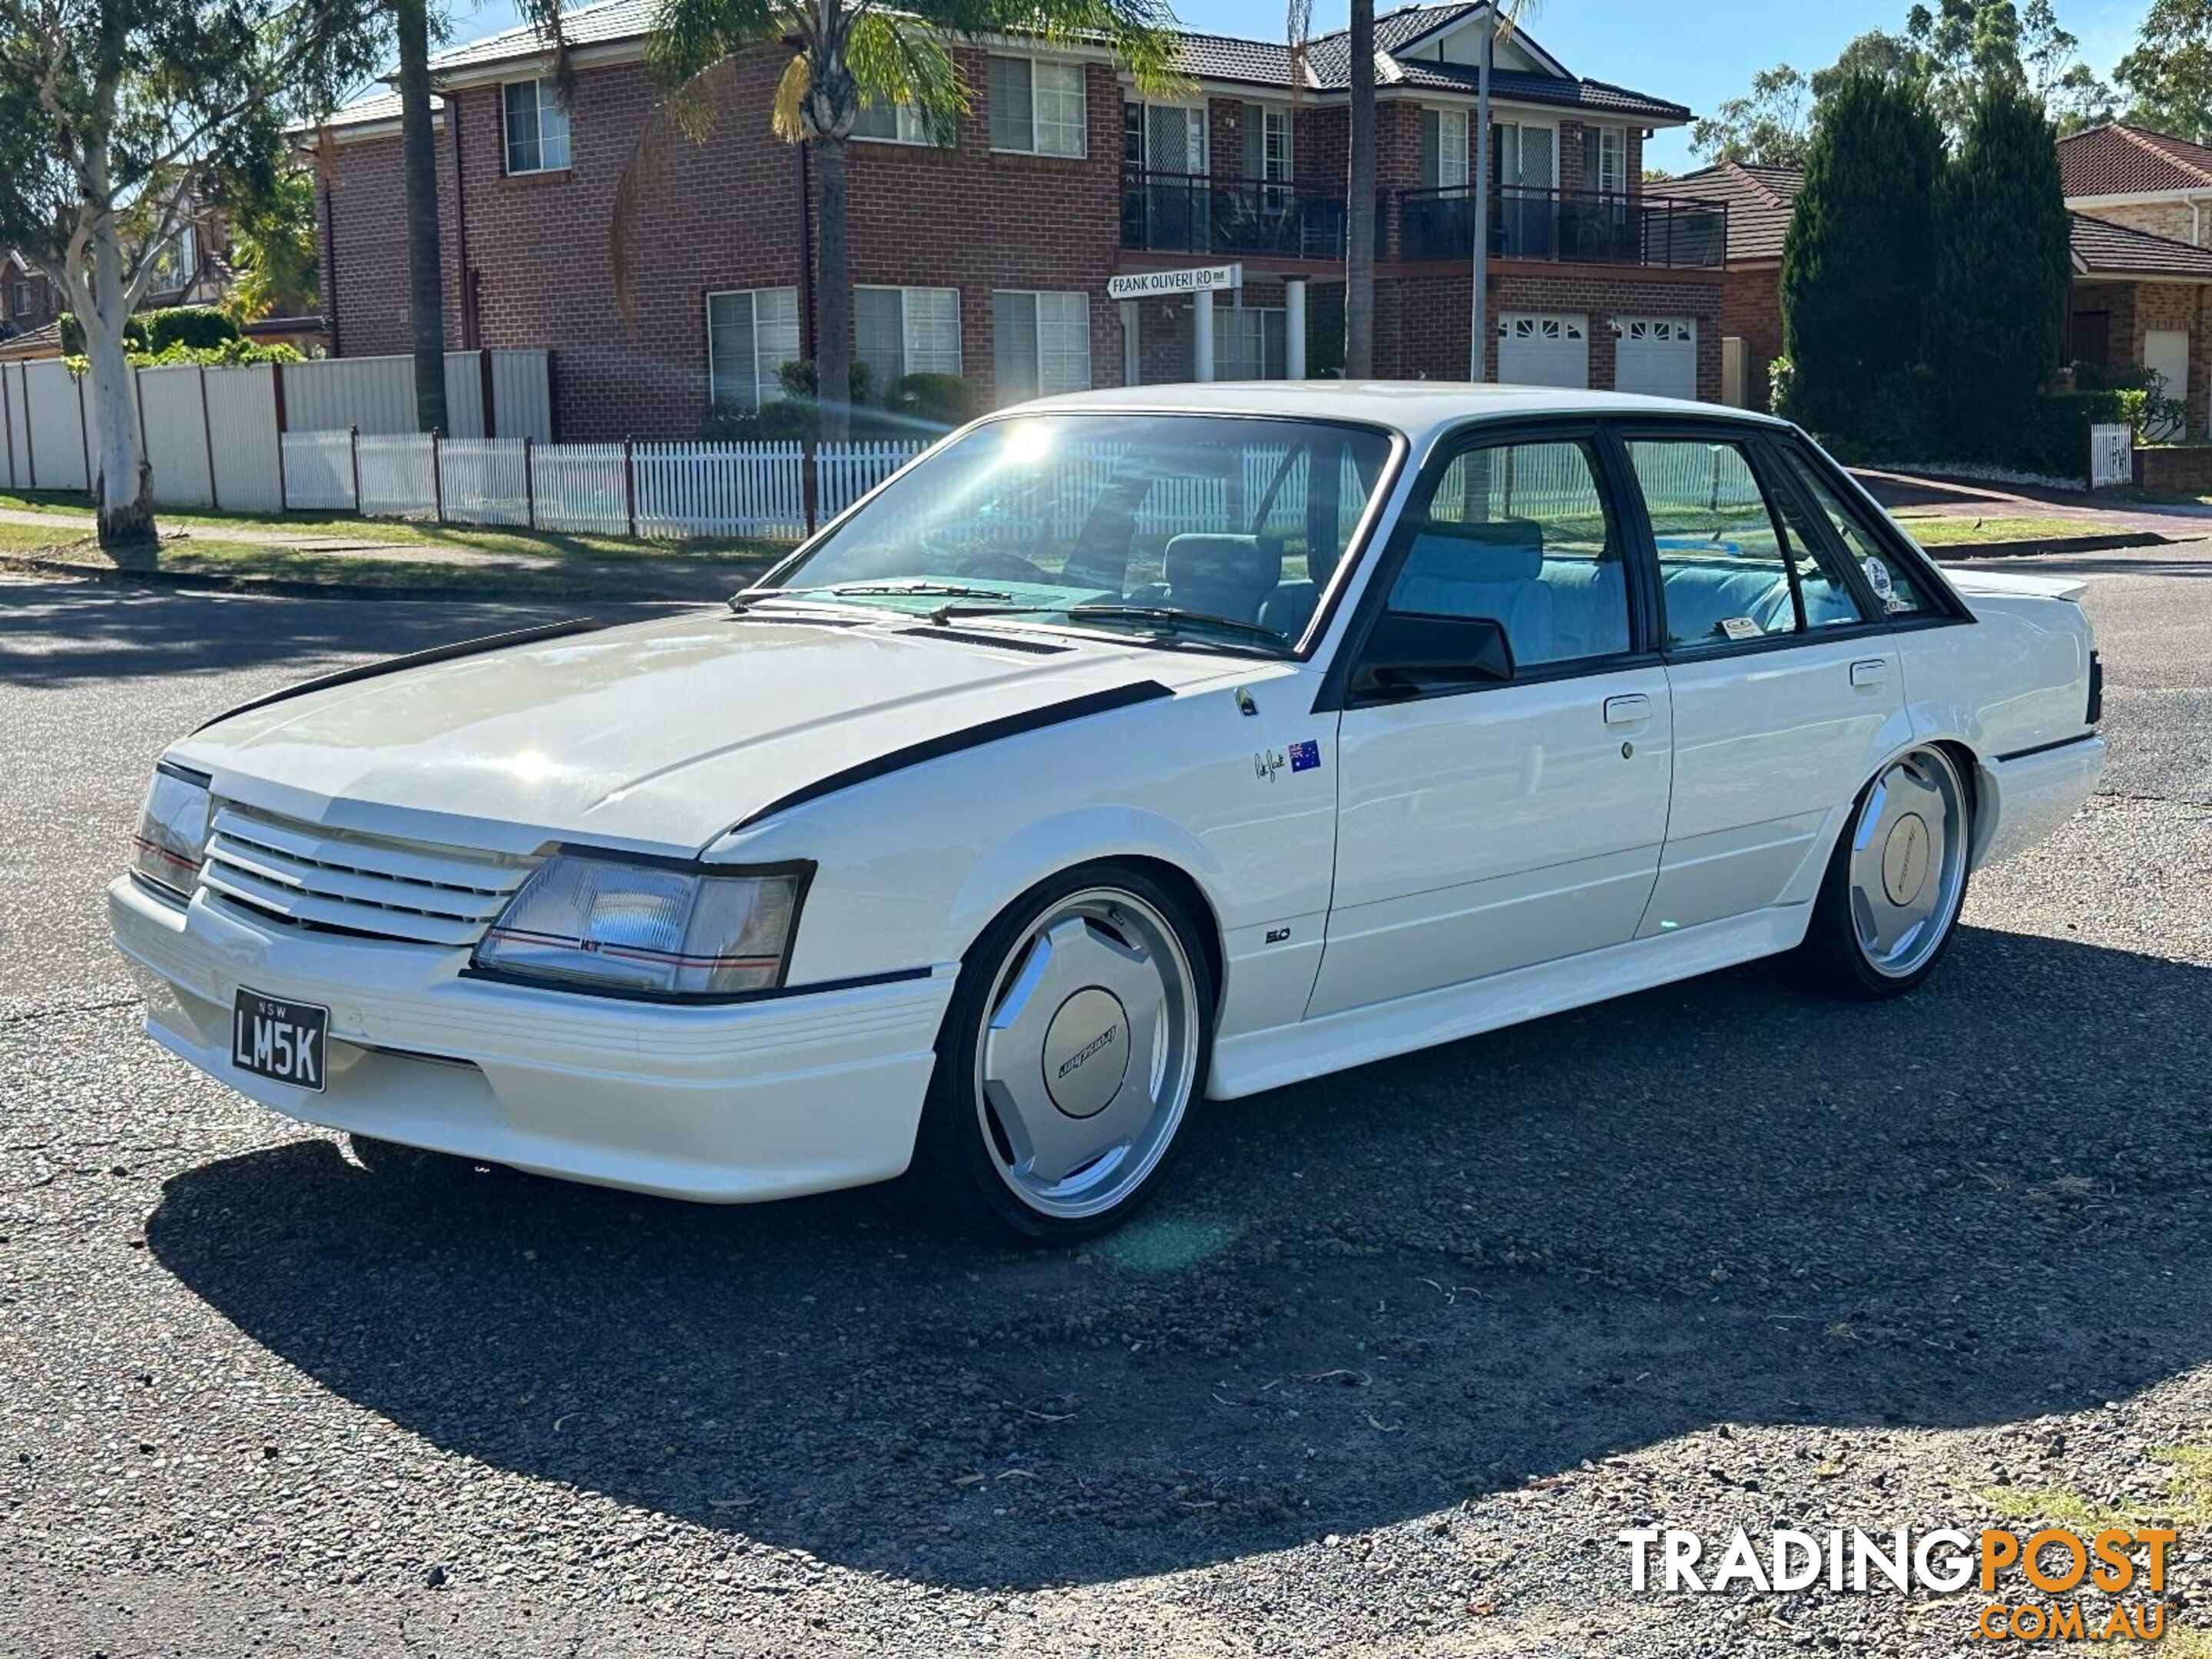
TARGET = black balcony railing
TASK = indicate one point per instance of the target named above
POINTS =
(1563, 224)
(1191, 213)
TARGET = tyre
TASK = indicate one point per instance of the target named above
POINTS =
(1078, 1034)
(1889, 904)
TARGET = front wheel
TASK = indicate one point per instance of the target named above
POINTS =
(1890, 902)
(1076, 1039)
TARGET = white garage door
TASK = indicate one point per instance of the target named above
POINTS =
(1542, 350)
(1657, 355)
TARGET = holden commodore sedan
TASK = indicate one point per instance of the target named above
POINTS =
(1128, 749)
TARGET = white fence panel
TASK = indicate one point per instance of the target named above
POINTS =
(581, 486)
(319, 471)
(845, 472)
(721, 489)
(56, 424)
(2112, 455)
(483, 481)
(398, 477)
(15, 426)
(241, 414)
(522, 395)
(175, 423)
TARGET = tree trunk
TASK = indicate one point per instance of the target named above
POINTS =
(122, 483)
(832, 291)
(426, 292)
(1359, 206)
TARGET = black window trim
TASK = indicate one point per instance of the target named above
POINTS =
(1866, 514)
(1335, 693)
(1748, 436)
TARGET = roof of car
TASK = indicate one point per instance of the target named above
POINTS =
(1416, 407)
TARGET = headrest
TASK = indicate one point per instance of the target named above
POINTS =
(1237, 562)
(1502, 550)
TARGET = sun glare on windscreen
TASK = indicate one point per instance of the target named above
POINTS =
(1028, 442)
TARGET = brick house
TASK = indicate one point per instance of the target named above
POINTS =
(2137, 297)
(986, 251)
(193, 271)
(28, 301)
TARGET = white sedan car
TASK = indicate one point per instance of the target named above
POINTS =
(1127, 748)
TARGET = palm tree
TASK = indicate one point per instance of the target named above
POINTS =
(845, 54)
(418, 153)
(1359, 207)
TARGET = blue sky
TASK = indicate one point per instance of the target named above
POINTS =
(1696, 54)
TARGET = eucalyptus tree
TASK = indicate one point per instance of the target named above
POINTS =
(116, 118)
(843, 55)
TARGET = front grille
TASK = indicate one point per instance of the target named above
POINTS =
(342, 882)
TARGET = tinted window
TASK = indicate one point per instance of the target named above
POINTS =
(1522, 533)
(1730, 571)
(1891, 579)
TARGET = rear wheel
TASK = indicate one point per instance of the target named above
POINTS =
(1076, 1040)
(1890, 902)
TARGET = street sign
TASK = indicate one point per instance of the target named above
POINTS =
(1199, 279)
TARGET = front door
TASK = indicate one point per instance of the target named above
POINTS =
(1485, 823)
(1785, 680)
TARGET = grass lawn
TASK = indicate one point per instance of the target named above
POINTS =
(1940, 530)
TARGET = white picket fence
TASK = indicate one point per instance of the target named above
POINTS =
(667, 490)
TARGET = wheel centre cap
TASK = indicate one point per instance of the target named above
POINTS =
(1905, 860)
(1086, 1052)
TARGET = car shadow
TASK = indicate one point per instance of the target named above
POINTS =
(1356, 1301)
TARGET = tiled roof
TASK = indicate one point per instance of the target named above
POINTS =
(385, 106)
(2107, 249)
(38, 343)
(1760, 200)
(2124, 160)
(1204, 56)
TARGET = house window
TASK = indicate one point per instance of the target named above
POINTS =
(751, 334)
(1443, 148)
(1037, 107)
(1164, 138)
(537, 128)
(1605, 160)
(1268, 143)
(1040, 344)
(897, 124)
(1521, 156)
(23, 299)
(176, 263)
(899, 331)
(1266, 341)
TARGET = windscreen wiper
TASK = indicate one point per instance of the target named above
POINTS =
(1168, 617)
(746, 598)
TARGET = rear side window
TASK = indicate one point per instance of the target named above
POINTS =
(1730, 571)
(1892, 581)
(1522, 534)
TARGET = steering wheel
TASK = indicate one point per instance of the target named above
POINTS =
(1001, 566)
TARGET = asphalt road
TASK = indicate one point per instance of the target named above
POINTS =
(1381, 1371)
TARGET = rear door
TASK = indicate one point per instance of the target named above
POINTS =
(1488, 825)
(1785, 681)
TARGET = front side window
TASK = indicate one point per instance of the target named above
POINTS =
(897, 331)
(1892, 580)
(898, 124)
(1179, 527)
(537, 128)
(1040, 344)
(750, 335)
(1252, 344)
(1443, 148)
(1730, 572)
(23, 299)
(1521, 534)
(1037, 107)
(1605, 160)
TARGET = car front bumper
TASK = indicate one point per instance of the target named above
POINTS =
(725, 1103)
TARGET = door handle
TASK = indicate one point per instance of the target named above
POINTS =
(1872, 671)
(1628, 710)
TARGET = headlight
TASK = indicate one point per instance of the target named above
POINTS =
(588, 919)
(172, 829)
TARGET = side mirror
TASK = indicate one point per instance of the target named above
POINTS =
(1408, 655)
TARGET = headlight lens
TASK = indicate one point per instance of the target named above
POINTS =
(605, 921)
(173, 829)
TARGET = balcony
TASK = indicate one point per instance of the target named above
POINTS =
(1565, 225)
(1192, 213)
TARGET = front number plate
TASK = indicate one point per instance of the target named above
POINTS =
(281, 1041)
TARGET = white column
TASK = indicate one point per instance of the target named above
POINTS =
(1131, 358)
(1294, 328)
(1201, 335)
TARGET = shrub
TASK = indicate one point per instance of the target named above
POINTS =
(2055, 436)
(800, 379)
(204, 328)
(943, 401)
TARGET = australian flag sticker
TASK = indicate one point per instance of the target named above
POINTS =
(1305, 756)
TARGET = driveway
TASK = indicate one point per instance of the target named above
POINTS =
(1385, 1367)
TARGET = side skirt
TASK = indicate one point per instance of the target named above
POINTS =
(1292, 1053)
